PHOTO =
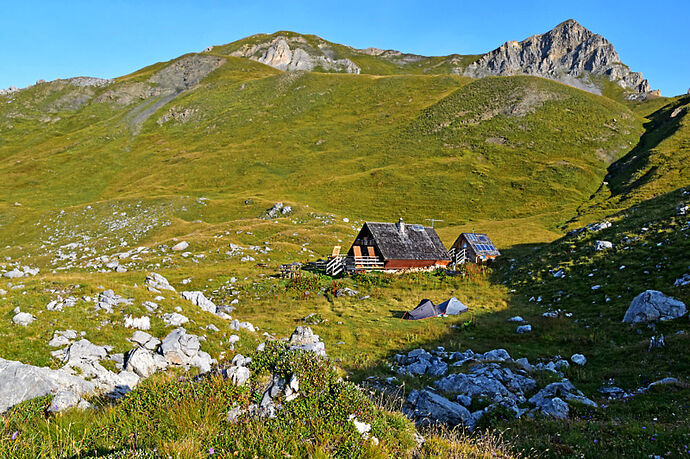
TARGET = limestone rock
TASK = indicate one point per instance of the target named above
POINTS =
(603, 245)
(556, 408)
(295, 54)
(653, 305)
(578, 359)
(146, 341)
(143, 362)
(430, 407)
(20, 382)
(239, 375)
(156, 283)
(199, 299)
(140, 323)
(304, 338)
(179, 247)
(568, 53)
(23, 319)
(64, 400)
(522, 329)
(174, 319)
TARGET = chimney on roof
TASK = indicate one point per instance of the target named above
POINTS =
(401, 225)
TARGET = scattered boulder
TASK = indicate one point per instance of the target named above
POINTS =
(179, 247)
(174, 319)
(239, 375)
(64, 400)
(517, 319)
(140, 323)
(62, 338)
(13, 274)
(108, 300)
(304, 338)
(431, 408)
(653, 305)
(199, 299)
(144, 340)
(155, 283)
(278, 210)
(578, 359)
(596, 227)
(682, 281)
(143, 362)
(23, 319)
(563, 390)
(555, 407)
(603, 245)
(181, 348)
(20, 382)
(522, 329)
(345, 292)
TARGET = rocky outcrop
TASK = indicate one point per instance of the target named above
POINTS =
(568, 53)
(294, 53)
(653, 305)
(493, 378)
(305, 339)
(185, 72)
(87, 82)
(20, 382)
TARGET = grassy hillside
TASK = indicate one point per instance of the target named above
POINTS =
(93, 173)
(494, 149)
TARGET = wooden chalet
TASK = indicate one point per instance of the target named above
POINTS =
(396, 246)
(474, 247)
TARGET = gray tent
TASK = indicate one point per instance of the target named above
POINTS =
(452, 307)
(424, 310)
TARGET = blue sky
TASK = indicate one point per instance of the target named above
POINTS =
(108, 38)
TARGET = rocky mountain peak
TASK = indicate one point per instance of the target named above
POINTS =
(569, 53)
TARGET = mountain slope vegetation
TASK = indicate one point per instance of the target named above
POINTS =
(177, 169)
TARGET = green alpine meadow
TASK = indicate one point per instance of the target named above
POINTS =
(217, 256)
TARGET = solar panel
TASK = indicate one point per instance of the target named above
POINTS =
(417, 227)
(471, 237)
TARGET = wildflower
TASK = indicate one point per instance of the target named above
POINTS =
(211, 451)
(15, 435)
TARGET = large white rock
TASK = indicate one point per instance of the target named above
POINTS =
(653, 305)
(180, 246)
(20, 382)
(179, 348)
(143, 362)
(23, 319)
(199, 299)
(156, 282)
(174, 319)
(140, 323)
(603, 245)
(13, 274)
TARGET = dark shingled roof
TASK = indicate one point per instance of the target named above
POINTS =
(416, 242)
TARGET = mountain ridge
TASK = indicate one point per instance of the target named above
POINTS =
(568, 53)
